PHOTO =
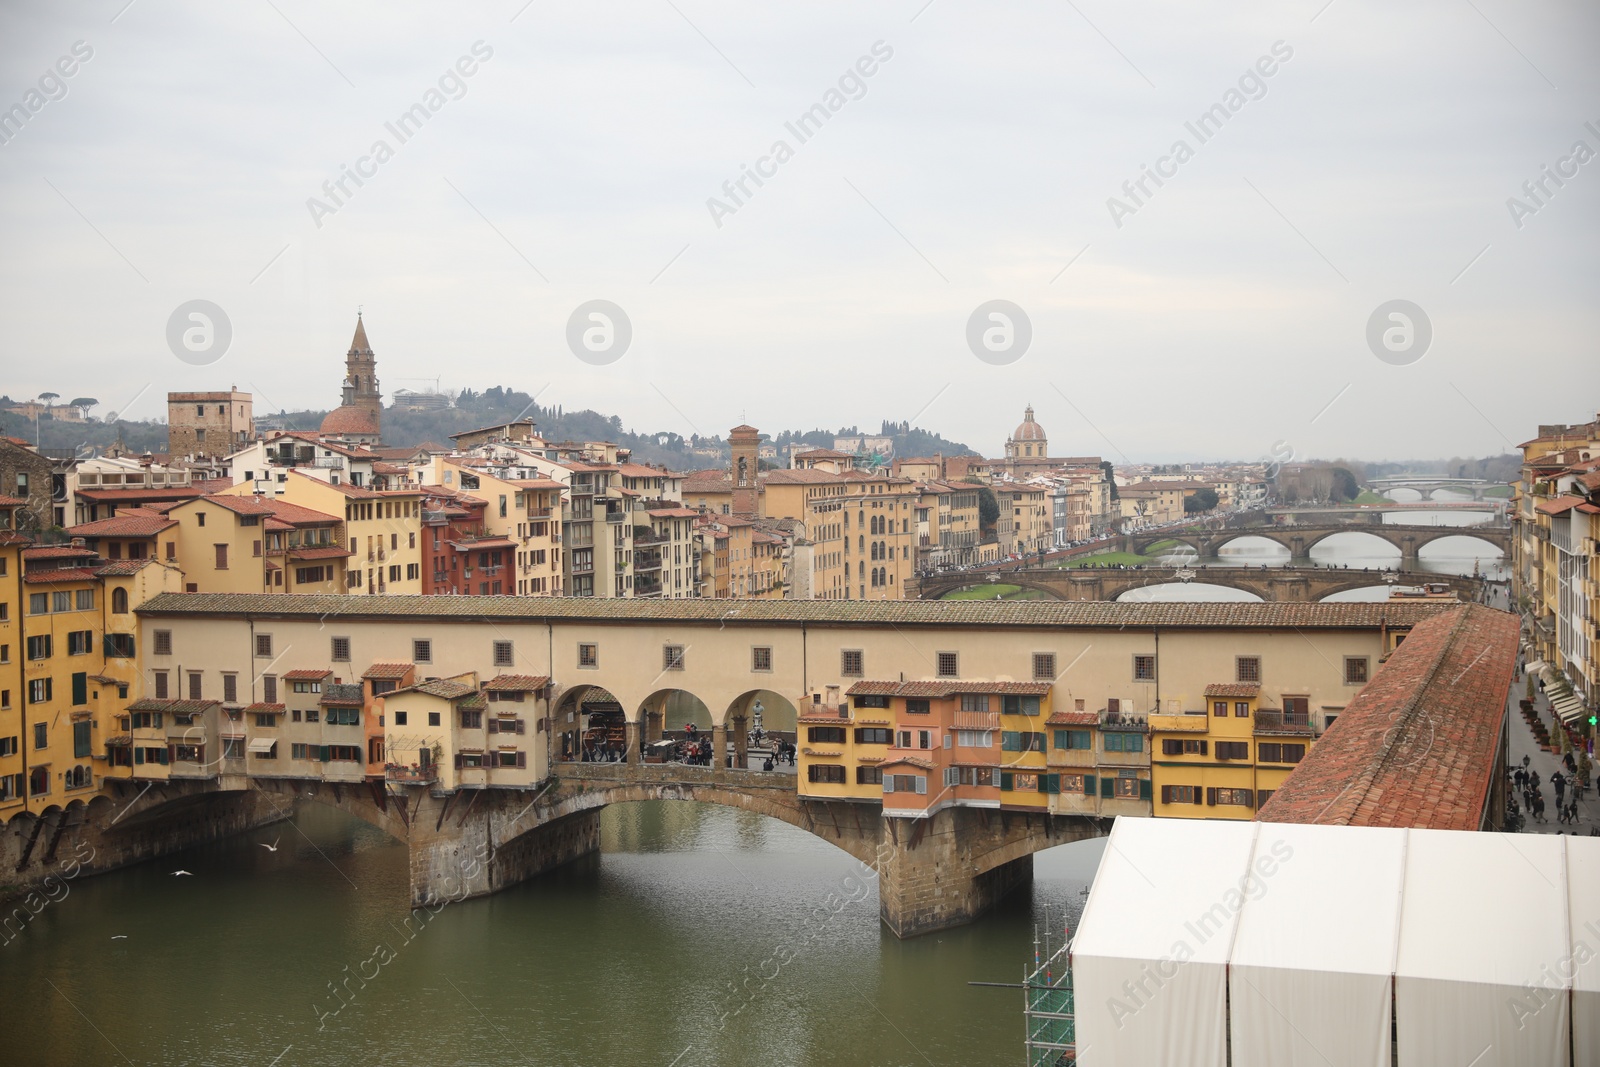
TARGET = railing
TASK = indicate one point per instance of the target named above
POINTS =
(614, 516)
(648, 537)
(1116, 720)
(1269, 720)
(417, 775)
(538, 513)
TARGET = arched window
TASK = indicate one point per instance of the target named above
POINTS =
(119, 601)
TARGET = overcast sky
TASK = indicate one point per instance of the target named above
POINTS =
(1214, 315)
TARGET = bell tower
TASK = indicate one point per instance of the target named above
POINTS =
(746, 445)
(361, 375)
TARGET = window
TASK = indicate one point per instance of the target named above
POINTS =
(1125, 788)
(163, 639)
(1247, 669)
(1075, 739)
(974, 776)
(264, 645)
(1219, 708)
(61, 600)
(1275, 753)
(1019, 705)
(871, 736)
(269, 688)
(850, 663)
(342, 717)
(412, 570)
(400, 718)
(1021, 741)
(1241, 709)
(1238, 797)
(38, 603)
(1044, 666)
(39, 781)
(86, 600)
(869, 776)
(948, 665)
(230, 688)
(825, 735)
(421, 651)
(672, 657)
(265, 719)
(830, 773)
(161, 684)
(503, 654)
(433, 718)
(471, 720)
(339, 649)
(1180, 794)
(1172, 746)
(974, 702)
(119, 601)
(761, 658)
(222, 557)
(39, 690)
(905, 783)
(1144, 668)
(974, 738)
(917, 706)
(1233, 750)
(870, 700)
(1355, 670)
(119, 645)
(1120, 742)
(39, 646)
(41, 735)
(194, 685)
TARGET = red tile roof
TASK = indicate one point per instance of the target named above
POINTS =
(56, 551)
(261, 707)
(307, 674)
(129, 522)
(946, 687)
(1417, 746)
(1073, 718)
(64, 574)
(1558, 505)
(1233, 689)
(516, 683)
(389, 671)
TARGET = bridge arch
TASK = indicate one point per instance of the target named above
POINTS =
(1020, 581)
(1372, 532)
(1252, 594)
(1466, 532)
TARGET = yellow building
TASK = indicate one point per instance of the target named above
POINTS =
(1025, 526)
(237, 543)
(382, 528)
(1101, 761)
(948, 524)
(1224, 761)
(13, 600)
(525, 511)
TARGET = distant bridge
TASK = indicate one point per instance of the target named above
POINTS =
(1375, 512)
(1300, 538)
(1296, 584)
(1426, 485)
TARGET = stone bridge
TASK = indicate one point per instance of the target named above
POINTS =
(1299, 539)
(932, 873)
(1298, 584)
(1426, 485)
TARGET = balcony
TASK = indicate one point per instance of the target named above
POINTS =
(643, 535)
(538, 513)
(614, 517)
(646, 561)
(1116, 720)
(413, 775)
(1272, 721)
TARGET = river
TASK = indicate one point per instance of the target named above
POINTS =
(662, 951)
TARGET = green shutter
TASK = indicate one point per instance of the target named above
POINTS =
(1088, 785)
(1030, 705)
(1061, 739)
(1010, 741)
(1005, 779)
(1144, 789)
(1108, 787)
(80, 691)
(323, 752)
(80, 739)
(1051, 784)
(1132, 743)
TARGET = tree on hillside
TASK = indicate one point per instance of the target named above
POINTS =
(83, 404)
(1200, 500)
(47, 397)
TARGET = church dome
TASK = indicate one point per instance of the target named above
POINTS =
(349, 421)
(1028, 430)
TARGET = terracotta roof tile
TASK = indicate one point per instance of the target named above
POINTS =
(1233, 689)
(307, 674)
(1416, 747)
(516, 683)
(389, 671)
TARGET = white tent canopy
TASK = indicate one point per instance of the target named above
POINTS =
(1281, 945)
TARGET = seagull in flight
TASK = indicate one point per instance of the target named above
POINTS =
(176, 874)
(119, 937)
(272, 847)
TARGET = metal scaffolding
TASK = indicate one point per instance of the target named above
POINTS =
(1047, 991)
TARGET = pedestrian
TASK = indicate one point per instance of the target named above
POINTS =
(1525, 760)
(1559, 782)
(1538, 807)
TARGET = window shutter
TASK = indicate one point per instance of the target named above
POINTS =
(1144, 790)
(1108, 787)
(1088, 785)
(460, 761)
(522, 726)
(1211, 797)
(1204, 747)
(80, 690)
(1196, 794)
(1052, 783)
(922, 783)
(164, 756)
(1166, 793)
(522, 759)
(888, 783)
(326, 753)
(1006, 779)
(494, 725)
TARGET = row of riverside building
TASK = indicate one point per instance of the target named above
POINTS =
(1555, 559)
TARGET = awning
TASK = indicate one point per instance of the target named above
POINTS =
(1569, 707)
(262, 745)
